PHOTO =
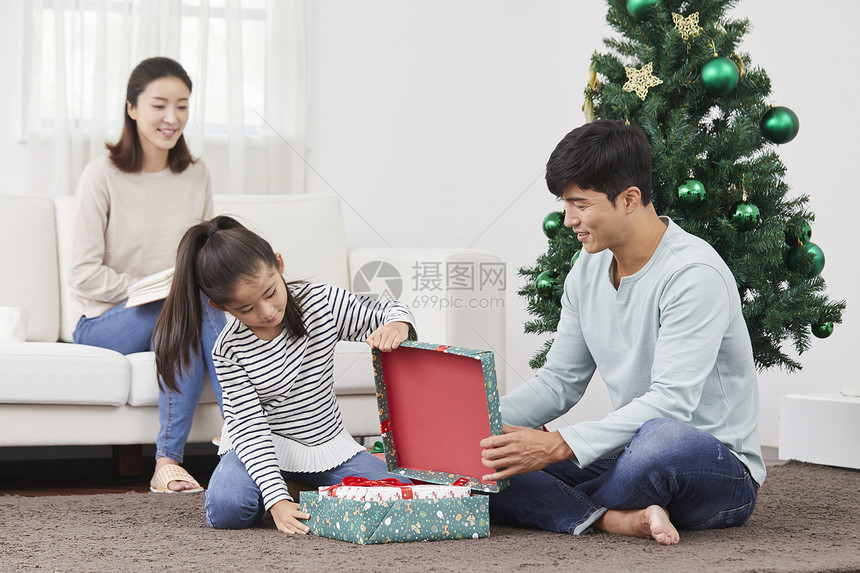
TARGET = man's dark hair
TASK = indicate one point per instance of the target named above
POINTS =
(604, 156)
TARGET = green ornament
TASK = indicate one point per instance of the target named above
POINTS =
(552, 223)
(545, 284)
(779, 125)
(807, 260)
(799, 235)
(745, 216)
(822, 330)
(720, 76)
(639, 8)
(574, 257)
(691, 193)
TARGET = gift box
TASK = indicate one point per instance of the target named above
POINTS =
(368, 522)
(436, 403)
(361, 489)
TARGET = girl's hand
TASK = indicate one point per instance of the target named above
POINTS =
(286, 515)
(388, 336)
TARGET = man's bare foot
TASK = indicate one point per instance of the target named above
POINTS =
(653, 521)
(175, 485)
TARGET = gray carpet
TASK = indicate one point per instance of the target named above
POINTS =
(807, 519)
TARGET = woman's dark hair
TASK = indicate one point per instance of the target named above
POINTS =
(604, 156)
(213, 257)
(127, 153)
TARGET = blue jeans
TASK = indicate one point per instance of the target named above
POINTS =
(233, 500)
(691, 474)
(129, 330)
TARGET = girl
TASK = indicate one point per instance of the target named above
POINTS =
(275, 364)
(132, 208)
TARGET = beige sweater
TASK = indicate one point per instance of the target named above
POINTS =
(128, 226)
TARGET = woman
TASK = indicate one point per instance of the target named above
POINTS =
(133, 207)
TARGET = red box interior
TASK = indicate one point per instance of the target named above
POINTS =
(437, 405)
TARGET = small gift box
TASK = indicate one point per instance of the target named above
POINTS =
(361, 489)
(369, 522)
(436, 403)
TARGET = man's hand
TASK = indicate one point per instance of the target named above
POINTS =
(287, 515)
(522, 450)
(388, 336)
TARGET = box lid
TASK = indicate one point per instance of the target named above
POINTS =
(436, 403)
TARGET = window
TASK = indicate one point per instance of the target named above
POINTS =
(246, 59)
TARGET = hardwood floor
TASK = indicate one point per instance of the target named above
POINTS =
(86, 476)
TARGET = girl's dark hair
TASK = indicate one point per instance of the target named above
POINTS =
(127, 153)
(604, 156)
(214, 256)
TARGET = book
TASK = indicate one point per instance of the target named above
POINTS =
(151, 288)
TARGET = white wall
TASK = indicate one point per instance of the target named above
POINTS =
(811, 55)
(433, 120)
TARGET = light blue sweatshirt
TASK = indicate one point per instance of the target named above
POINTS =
(671, 342)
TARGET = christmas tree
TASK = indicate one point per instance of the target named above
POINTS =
(676, 72)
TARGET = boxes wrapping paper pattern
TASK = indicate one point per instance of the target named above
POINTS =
(436, 403)
(361, 489)
(369, 522)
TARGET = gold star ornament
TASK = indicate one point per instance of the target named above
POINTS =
(688, 27)
(640, 80)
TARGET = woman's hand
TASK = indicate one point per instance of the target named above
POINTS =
(388, 336)
(286, 515)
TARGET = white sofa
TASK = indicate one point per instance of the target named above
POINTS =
(54, 393)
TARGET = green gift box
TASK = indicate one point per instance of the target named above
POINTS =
(436, 403)
(367, 522)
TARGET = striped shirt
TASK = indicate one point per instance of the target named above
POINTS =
(279, 401)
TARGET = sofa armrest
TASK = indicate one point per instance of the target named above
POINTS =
(457, 295)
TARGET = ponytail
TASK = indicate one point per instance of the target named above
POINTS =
(213, 257)
(177, 332)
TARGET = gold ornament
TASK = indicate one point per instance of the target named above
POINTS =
(588, 109)
(737, 59)
(640, 80)
(688, 27)
(588, 104)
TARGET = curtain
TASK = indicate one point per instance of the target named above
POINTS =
(247, 60)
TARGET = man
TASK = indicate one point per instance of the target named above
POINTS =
(657, 312)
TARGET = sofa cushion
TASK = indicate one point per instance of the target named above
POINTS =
(353, 369)
(60, 373)
(353, 374)
(144, 388)
(70, 309)
(306, 229)
(29, 262)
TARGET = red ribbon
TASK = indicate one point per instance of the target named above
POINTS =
(353, 481)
